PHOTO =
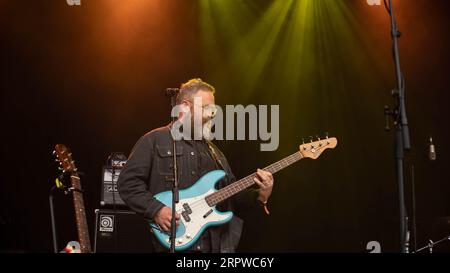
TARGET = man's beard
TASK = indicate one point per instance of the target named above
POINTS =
(198, 129)
(207, 130)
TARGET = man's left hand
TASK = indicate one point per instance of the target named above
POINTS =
(264, 179)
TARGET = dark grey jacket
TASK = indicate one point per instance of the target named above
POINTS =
(149, 170)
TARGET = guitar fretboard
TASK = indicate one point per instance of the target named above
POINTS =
(82, 227)
(248, 181)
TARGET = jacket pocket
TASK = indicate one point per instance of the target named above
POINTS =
(164, 161)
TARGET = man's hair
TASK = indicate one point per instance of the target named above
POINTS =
(191, 87)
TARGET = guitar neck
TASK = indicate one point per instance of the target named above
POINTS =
(248, 181)
(82, 227)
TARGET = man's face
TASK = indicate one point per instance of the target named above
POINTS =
(202, 106)
(202, 111)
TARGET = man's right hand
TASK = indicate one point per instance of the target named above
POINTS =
(164, 217)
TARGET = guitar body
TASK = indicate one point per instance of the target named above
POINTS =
(196, 214)
(197, 204)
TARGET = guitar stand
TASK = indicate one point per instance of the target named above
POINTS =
(59, 185)
(52, 217)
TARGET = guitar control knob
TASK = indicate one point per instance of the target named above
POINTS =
(180, 241)
(188, 236)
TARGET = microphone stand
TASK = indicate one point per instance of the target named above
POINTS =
(431, 244)
(172, 92)
(398, 114)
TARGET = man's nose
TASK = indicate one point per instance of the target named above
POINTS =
(208, 115)
(206, 119)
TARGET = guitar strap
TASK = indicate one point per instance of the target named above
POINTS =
(215, 156)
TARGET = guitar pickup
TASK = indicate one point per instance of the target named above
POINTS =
(185, 216)
(187, 209)
(208, 213)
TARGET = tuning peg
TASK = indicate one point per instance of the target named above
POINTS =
(318, 139)
(54, 152)
(326, 133)
(311, 138)
(57, 160)
(70, 154)
(61, 169)
(304, 146)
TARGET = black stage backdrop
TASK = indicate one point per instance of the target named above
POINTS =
(93, 76)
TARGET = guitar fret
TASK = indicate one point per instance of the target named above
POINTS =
(247, 181)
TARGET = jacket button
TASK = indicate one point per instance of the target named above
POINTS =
(198, 247)
(169, 152)
(193, 172)
(192, 153)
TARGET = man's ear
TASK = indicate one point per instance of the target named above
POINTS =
(184, 109)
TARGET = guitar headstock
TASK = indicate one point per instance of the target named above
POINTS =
(64, 157)
(315, 148)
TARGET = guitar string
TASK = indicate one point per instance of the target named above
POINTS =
(289, 160)
(280, 164)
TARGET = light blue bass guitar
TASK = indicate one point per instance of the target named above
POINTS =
(197, 205)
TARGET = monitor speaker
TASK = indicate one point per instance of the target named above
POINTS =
(121, 231)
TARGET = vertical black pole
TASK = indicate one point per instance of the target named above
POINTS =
(402, 141)
(52, 217)
(175, 198)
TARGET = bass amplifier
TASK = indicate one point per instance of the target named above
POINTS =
(121, 231)
(110, 195)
